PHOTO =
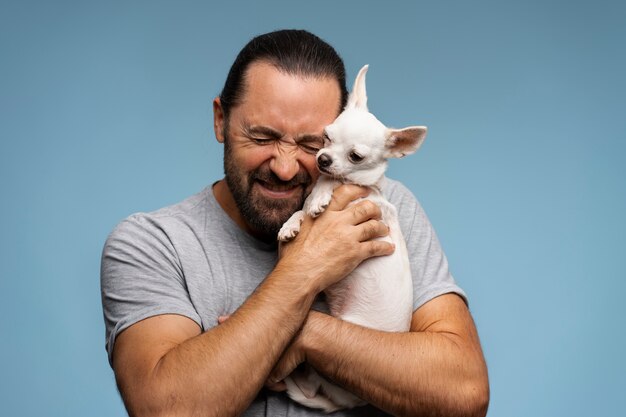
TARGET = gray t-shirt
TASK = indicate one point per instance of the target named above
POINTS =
(192, 259)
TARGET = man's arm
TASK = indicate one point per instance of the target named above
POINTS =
(165, 365)
(435, 369)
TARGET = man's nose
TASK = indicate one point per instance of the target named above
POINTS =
(285, 165)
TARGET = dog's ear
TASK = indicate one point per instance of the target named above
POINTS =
(358, 95)
(400, 142)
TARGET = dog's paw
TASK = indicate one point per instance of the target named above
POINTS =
(291, 227)
(287, 234)
(316, 211)
(318, 204)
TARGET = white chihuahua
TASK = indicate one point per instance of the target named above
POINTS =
(379, 293)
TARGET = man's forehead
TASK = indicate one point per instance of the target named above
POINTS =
(281, 105)
(261, 73)
(266, 66)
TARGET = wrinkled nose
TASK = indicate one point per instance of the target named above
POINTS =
(284, 166)
(324, 161)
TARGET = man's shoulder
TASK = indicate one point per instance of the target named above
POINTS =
(410, 212)
(390, 186)
(397, 193)
(188, 211)
(191, 206)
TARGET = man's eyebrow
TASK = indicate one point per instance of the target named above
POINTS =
(309, 138)
(262, 130)
(251, 130)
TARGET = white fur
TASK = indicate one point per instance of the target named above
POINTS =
(378, 294)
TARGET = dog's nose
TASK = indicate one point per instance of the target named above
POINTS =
(324, 161)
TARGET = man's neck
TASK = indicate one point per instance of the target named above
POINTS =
(226, 201)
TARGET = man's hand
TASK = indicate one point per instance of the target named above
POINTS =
(329, 247)
(291, 358)
(437, 368)
(293, 355)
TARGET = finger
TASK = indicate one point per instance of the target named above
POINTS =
(286, 364)
(346, 193)
(276, 386)
(372, 229)
(374, 248)
(364, 211)
(222, 319)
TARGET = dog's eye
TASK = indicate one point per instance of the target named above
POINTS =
(355, 157)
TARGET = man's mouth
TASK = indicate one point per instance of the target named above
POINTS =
(278, 190)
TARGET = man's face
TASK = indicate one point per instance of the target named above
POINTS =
(271, 139)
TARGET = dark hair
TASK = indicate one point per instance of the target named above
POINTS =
(296, 52)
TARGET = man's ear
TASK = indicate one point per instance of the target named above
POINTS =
(218, 120)
(400, 142)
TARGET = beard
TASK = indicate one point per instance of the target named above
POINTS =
(263, 214)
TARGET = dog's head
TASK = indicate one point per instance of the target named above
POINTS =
(357, 144)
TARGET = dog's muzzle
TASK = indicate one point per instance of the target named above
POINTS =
(324, 161)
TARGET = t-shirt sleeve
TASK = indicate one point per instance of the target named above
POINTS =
(140, 277)
(429, 265)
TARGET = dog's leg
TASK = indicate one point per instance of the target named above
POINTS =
(320, 196)
(387, 210)
(303, 386)
(340, 397)
(291, 227)
(307, 380)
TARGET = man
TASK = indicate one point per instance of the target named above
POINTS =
(169, 277)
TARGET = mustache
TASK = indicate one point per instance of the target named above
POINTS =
(267, 176)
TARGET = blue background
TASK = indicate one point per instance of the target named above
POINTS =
(105, 110)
